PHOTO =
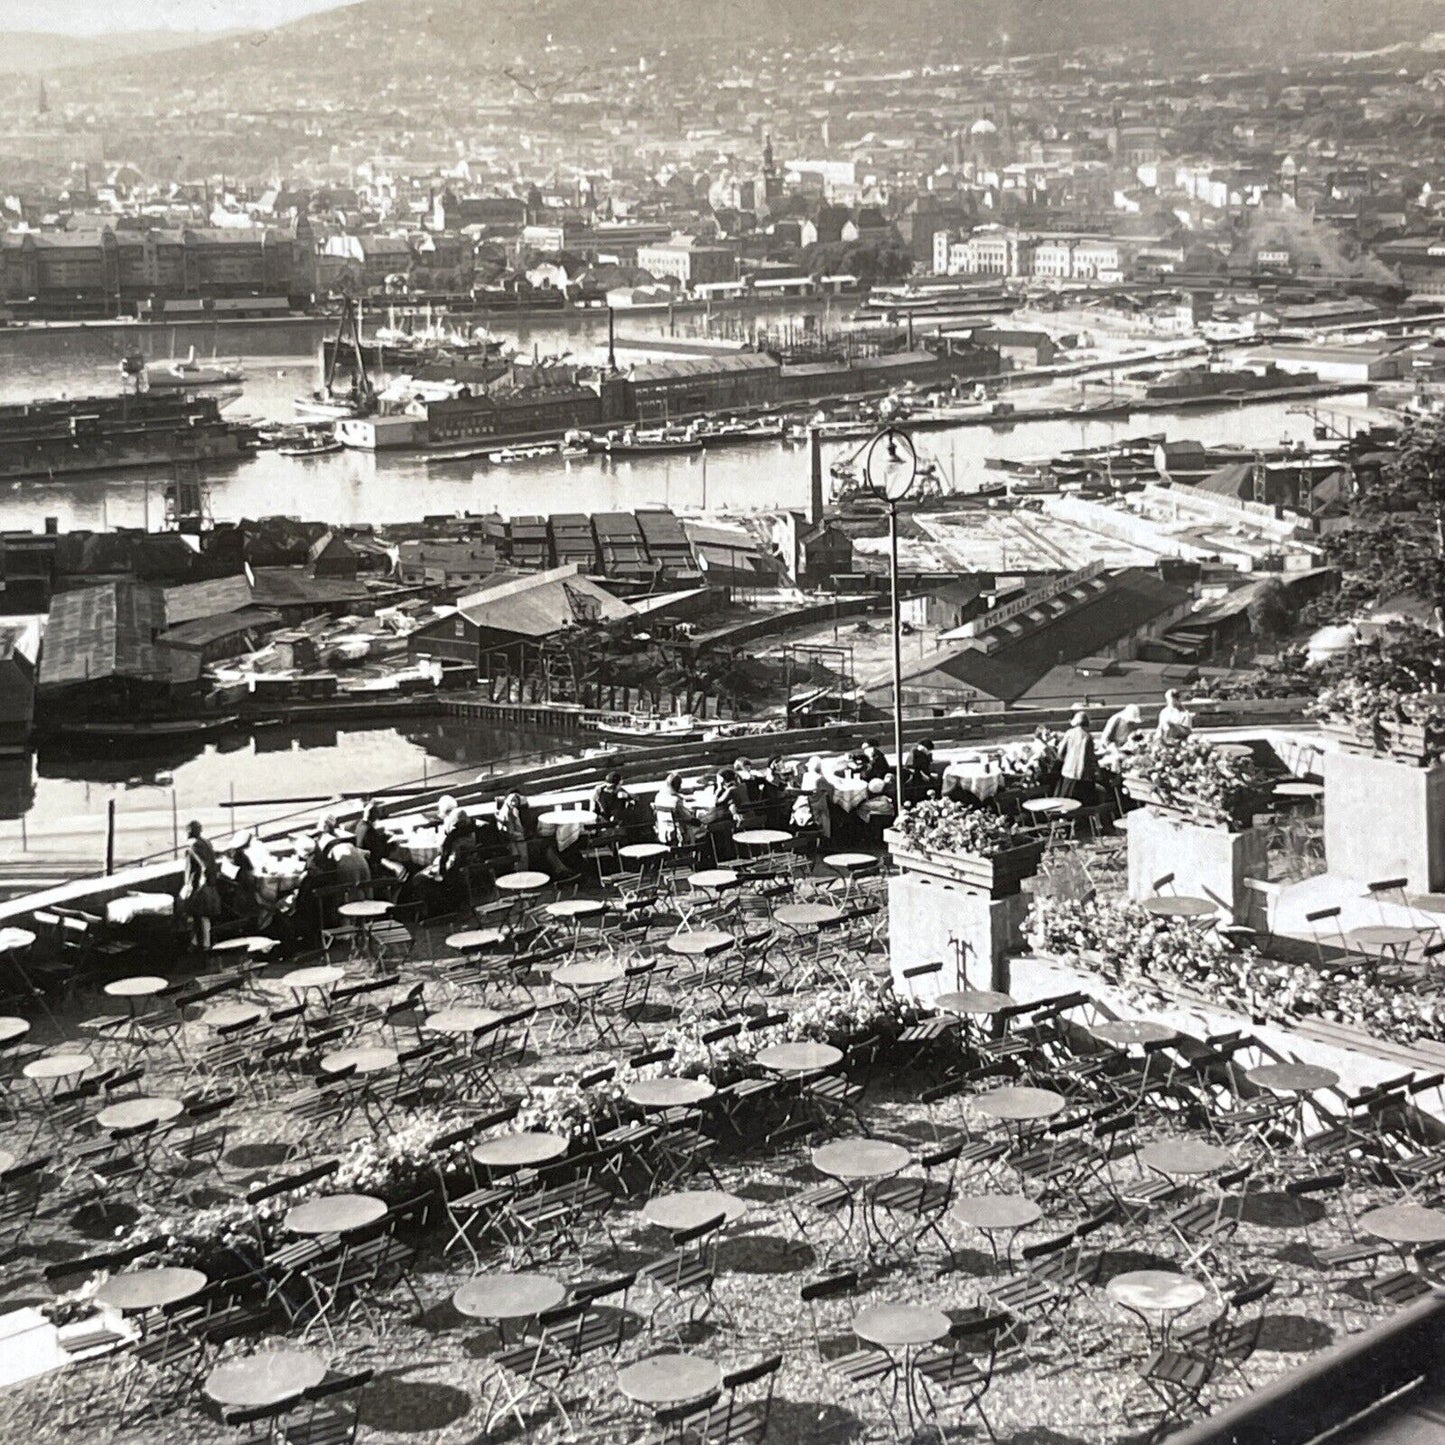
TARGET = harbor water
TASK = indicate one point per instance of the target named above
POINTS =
(351, 486)
(55, 807)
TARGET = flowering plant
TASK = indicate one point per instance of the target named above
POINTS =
(943, 825)
(865, 1006)
(1137, 952)
(394, 1169)
(1191, 772)
(1032, 763)
(1354, 700)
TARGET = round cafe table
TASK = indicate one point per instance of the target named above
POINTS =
(502, 1296)
(321, 976)
(668, 1093)
(643, 852)
(806, 915)
(1293, 1078)
(701, 942)
(1404, 1225)
(572, 909)
(799, 1058)
(466, 1019)
(144, 985)
(334, 1214)
(1164, 1294)
(230, 1015)
(523, 1150)
(974, 1001)
(13, 940)
(365, 910)
(1299, 1080)
(592, 973)
(150, 1289)
(994, 1214)
(1299, 790)
(1383, 938)
(859, 1160)
(671, 1379)
(689, 1208)
(1124, 1032)
(766, 838)
(852, 866)
(1169, 906)
(268, 1377)
(1052, 807)
(362, 1059)
(524, 881)
(474, 940)
(713, 880)
(903, 1330)
(851, 862)
(136, 1113)
(12, 1029)
(1235, 750)
(1185, 1158)
(51, 1068)
(1014, 1104)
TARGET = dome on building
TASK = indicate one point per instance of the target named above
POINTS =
(982, 127)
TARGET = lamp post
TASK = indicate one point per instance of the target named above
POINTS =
(890, 467)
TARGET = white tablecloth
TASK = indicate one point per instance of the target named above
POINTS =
(566, 834)
(980, 777)
(130, 906)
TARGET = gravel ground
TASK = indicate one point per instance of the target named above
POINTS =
(431, 1371)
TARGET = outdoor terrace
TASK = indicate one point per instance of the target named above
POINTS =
(529, 1087)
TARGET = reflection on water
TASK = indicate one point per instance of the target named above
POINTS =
(352, 487)
(63, 794)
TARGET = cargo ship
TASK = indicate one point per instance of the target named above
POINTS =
(65, 436)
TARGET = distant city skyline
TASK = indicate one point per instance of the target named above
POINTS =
(102, 17)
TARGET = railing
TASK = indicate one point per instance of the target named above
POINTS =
(1344, 1384)
(642, 763)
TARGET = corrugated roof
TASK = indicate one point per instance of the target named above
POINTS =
(1134, 597)
(206, 599)
(702, 366)
(539, 605)
(102, 632)
(201, 631)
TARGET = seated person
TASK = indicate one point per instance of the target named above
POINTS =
(374, 840)
(611, 801)
(875, 764)
(518, 821)
(675, 820)
(918, 779)
(731, 797)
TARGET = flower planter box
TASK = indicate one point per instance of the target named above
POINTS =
(1190, 808)
(1407, 740)
(998, 875)
(1354, 732)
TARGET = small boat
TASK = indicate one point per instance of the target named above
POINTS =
(322, 406)
(313, 446)
(191, 374)
(521, 454)
(638, 443)
(153, 730)
(646, 727)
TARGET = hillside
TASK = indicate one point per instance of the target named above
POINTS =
(376, 43)
(30, 52)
